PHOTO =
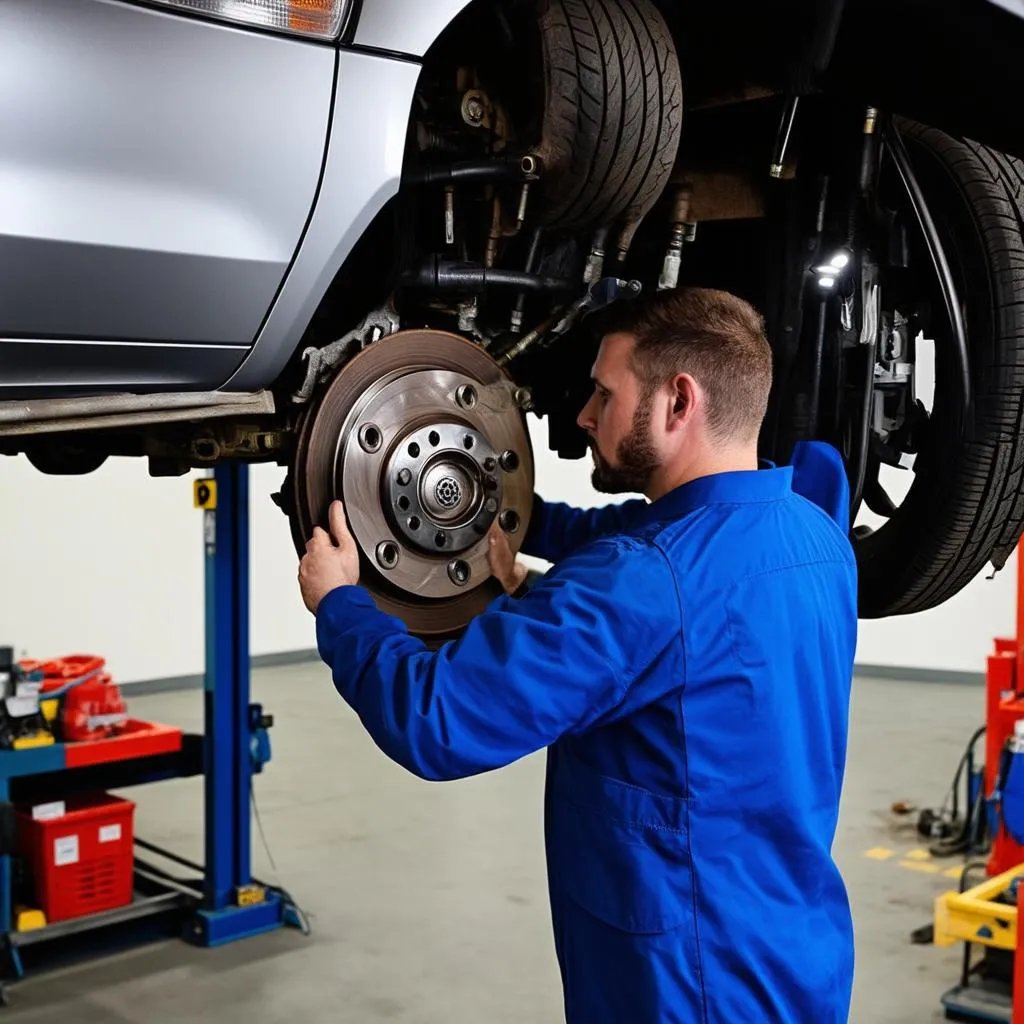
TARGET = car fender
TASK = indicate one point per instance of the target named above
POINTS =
(363, 170)
(398, 26)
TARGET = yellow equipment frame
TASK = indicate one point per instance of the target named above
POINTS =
(974, 916)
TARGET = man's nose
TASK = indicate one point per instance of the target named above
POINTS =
(586, 419)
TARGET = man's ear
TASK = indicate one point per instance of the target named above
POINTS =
(684, 400)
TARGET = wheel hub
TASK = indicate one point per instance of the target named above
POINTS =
(421, 437)
(441, 495)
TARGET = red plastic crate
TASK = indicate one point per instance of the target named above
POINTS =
(82, 862)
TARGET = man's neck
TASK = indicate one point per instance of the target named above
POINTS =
(721, 460)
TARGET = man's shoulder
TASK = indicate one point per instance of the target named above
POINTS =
(719, 542)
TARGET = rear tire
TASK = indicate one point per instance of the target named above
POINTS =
(965, 506)
(613, 109)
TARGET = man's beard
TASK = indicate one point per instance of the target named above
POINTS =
(635, 455)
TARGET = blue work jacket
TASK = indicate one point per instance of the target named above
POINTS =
(688, 663)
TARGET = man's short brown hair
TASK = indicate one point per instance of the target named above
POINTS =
(717, 338)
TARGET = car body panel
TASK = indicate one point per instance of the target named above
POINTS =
(1015, 7)
(399, 26)
(156, 174)
(51, 367)
(373, 103)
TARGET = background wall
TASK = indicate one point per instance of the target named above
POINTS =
(112, 563)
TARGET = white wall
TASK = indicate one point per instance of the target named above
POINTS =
(112, 563)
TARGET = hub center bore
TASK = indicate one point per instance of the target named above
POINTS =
(448, 490)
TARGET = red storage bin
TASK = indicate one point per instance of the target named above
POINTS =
(82, 862)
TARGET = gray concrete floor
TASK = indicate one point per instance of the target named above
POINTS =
(429, 901)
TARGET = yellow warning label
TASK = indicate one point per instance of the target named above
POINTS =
(204, 493)
(250, 895)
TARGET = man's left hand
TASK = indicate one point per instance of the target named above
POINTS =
(331, 560)
(509, 572)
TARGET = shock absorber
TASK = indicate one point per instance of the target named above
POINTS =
(674, 253)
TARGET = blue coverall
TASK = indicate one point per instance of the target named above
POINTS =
(688, 663)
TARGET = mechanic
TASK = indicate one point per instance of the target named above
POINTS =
(687, 661)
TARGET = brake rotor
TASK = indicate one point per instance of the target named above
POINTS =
(421, 437)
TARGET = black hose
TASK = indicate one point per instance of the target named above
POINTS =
(533, 251)
(818, 362)
(531, 265)
(864, 436)
(474, 278)
(521, 169)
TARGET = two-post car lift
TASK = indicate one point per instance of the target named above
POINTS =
(222, 903)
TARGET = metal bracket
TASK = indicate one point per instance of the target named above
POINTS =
(600, 294)
(377, 324)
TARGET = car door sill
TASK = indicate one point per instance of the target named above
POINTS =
(52, 415)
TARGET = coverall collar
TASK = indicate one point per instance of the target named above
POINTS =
(740, 487)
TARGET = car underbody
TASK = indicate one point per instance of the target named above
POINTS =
(841, 165)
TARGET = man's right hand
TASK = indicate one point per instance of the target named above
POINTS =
(507, 571)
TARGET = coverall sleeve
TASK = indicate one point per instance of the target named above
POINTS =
(820, 477)
(557, 530)
(524, 672)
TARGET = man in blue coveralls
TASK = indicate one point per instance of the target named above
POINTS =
(688, 663)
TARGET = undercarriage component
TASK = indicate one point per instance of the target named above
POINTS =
(523, 169)
(600, 295)
(320, 362)
(62, 415)
(474, 278)
(778, 164)
(669, 278)
(422, 436)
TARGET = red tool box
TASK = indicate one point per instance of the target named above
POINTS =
(81, 861)
(91, 705)
(93, 717)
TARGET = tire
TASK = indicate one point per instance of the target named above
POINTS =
(966, 504)
(612, 109)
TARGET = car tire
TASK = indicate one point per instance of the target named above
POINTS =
(965, 507)
(612, 109)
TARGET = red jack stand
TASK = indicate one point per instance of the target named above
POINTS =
(1004, 706)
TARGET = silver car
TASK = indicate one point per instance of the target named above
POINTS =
(366, 239)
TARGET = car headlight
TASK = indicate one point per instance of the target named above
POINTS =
(321, 19)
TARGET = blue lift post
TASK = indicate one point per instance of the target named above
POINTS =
(234, 746)
(235, 740)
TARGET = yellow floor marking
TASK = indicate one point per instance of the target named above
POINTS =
(919, 855)
(878, 853)
(917, 865)
(953, 872)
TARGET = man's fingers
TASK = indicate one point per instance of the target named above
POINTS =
(499, 553)
(339, 523)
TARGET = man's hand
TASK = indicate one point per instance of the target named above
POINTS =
(331, 560)
(507, 571)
